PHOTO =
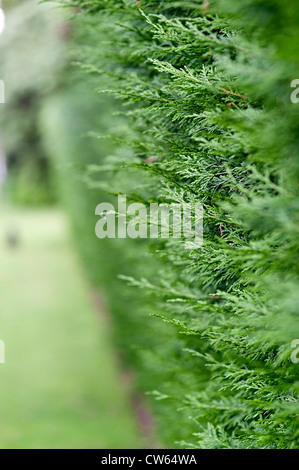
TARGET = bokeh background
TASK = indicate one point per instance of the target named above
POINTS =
(64, 383)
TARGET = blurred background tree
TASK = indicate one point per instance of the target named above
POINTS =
(30, 78)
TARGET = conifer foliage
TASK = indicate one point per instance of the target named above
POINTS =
(206, 89)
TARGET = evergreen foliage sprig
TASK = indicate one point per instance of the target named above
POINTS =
(206, 89)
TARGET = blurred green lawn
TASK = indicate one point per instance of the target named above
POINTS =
(60, 386)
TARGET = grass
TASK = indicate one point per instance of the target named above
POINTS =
(60, 386)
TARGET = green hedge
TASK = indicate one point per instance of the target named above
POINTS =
(207, 118)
